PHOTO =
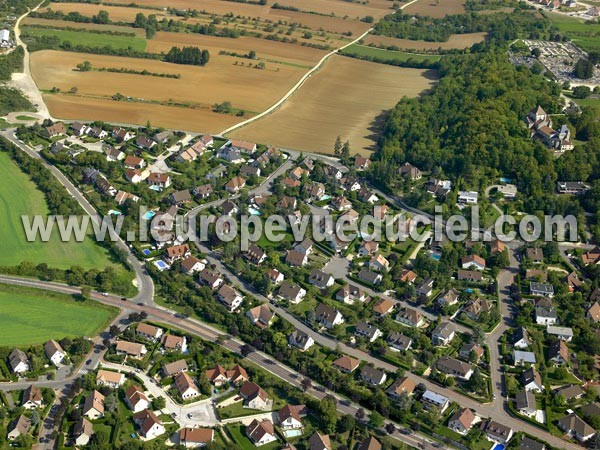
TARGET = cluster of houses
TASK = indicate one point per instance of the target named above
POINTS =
(19, 362)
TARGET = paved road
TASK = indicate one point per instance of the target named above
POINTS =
(143, 281)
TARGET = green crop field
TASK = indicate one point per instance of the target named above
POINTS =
(584, 34)
(389, 55)
(31, 316)
(19, 195)
(89, 38)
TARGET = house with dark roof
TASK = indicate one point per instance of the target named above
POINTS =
(525, 403)
(443, 334)
(328, 316)
(497, 432)
(532, 380)
(300, 340)
(454, 367)
(576, 427)
(373, 376)
(398, 341)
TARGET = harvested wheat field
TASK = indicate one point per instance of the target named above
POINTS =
(347, 97)
(339, 8)
(456, 41)
(432, 9)
(81, 108)
(265, 50)
(247, 88)
(83, 26)
(116, 13)
(262, 12)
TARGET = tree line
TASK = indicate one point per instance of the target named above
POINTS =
(188, 55)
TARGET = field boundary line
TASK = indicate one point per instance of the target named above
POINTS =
(301, 81)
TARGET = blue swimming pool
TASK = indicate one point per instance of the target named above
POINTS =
(498, 447)
(253, 211)
(146, 252)
(468, 290)
(505, 180)
(156, 188)
(436, 256)
(114, 212)
(149, 215)
(292, 433)
(161, 265)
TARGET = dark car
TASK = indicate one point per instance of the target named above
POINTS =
(124, 299)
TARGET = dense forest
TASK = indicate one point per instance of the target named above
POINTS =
(471, 130)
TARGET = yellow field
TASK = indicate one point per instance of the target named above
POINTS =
(245, 87)
(456, 41)
(264, 49)
(200, 120)
(432, 9)
(262, 12)
(347, 97)
(86, 26)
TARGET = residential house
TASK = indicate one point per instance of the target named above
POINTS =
(203, 191)
(532, 380)
(410, 317)
(426, 287)
(367, 330)
(319, 441)
(454, 367)
(541, 289)
(407, 276)
(275, 276)
(407, 170)
(449, 298)
(497, 432)
(260, 316)
(468, 197)
(32, 397)
(402, 386)
(175, 367)
(133, 176)
(144, 142)
(469, 275)
(255, 397)
(535, 255)
(379, 263)
(160, 180)
(473, 262)
(369, 277)
(121, 134)
(180, 198)
(54, 352)
(471, 351)
(19, 427)
(255, 254)
(291, 292)
(217, 172)
(148, 331)
(191, 265)
(508, 191)
(350, 294)
(520, 338)
(383, 307)
(217, 375)
(298, 172)
(195, 437)
(150, 426)
(82, 432)
(136, 399)
(290, 417)
(211, 279)
(346, 364)
(525, 403)
(593, 312)
(558, 353)
(109, 378)
(250, 171)
(341, 203)
(522, 358)
(373, 376)
(261, 432)
(235, 185)
(113, 154)
(163, 136)
(443, 334)
(570, 392)
(134, 162)
(229, 297)
(431, 399)
(186, 386)
(93, 407)
(327, 316)
(79, 129)
(574, 282)
(368, 248)
(592, 257)
(475, 307)
(242, 146)
(132, 349)
(123, 196)
(529, 444)
(398, 341)
(172, 342)
(300, 340)
(57, 129)
(545, 315)
(462, 421)
(562, 333)
(367, 196)
(576, 427)
(296, 259)
(237, 375)
(320, 279)
(18, 361)
(497, 246)
(361, 163)
(317, 191)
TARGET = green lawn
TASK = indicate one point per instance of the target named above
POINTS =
(582, 33)
(18, 195)
(389, 55)
(31, 316)
(25, 118)
(89, 38)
